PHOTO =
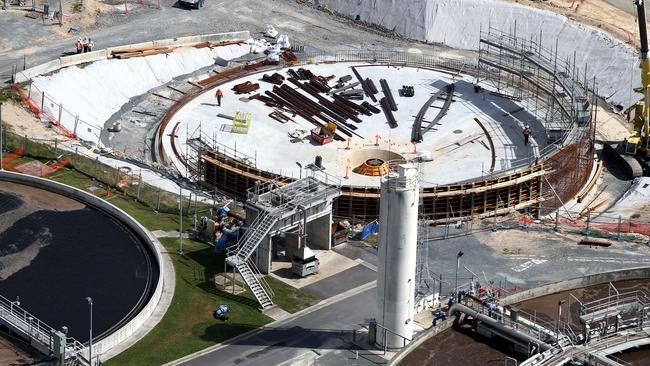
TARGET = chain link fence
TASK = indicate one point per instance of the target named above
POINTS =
(51, 156)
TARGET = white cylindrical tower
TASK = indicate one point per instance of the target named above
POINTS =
(398, 233)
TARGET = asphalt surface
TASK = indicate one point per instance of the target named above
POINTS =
(346, 280)
(533, 258)
(302, 339)
(304, 25)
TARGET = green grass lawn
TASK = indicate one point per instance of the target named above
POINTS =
(188, 325)
(288, 298)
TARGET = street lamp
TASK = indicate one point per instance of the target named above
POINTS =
(90, 330)
(299, 166)
(180, 216)
(557, 323)
(1, 167)
(460, 254)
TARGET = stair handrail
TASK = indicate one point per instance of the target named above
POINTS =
(234, 250)
(260, 278)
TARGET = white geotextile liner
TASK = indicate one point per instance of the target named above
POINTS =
(457, 23)
(635, 199)
(96, 91)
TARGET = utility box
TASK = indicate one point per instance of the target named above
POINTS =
(242, 122)
(58, 345)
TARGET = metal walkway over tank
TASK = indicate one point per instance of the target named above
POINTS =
(41, 336)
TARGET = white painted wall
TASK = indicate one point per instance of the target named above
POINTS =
(457, 23)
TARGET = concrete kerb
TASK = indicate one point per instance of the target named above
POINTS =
(102, 54)
(159, 302)
(311, 309)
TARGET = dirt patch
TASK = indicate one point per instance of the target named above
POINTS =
(18, 119)
(14, 352)
(596, 13)
(40, 199)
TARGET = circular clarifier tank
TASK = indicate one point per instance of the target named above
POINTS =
(55, 251)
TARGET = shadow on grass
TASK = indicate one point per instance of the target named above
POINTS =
(213, 264)
(221, 331)
(210, 288)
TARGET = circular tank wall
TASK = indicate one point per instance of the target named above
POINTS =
(56, 250)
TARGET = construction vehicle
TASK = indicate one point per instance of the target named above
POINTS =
(196, 4)
(636, 148)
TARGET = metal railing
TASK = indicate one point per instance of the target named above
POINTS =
(36, 329)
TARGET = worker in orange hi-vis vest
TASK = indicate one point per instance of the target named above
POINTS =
(219, 95)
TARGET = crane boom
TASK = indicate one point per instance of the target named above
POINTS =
(639, 142)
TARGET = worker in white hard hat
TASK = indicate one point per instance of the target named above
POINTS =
(527, 132)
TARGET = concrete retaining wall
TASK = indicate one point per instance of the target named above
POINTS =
(421, 338)
(77, 59)
(591, 280)
(166, 279)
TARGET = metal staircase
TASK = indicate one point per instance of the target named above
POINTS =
(239, 256)
(256, 233)
(253, 280)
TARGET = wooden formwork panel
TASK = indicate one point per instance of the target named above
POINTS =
(512, 191)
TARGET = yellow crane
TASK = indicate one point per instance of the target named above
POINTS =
(638, 143)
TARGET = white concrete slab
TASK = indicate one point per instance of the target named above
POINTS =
(268, 140)
(331, 263)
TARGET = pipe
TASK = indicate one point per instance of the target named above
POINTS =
(497, 326)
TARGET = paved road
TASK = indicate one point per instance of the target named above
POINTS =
(302, 339)
(303, 24)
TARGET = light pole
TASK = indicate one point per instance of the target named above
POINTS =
(460, 254)
(180, 215)
(557, 323)
(1, 150)
(90, 330)
(299, 166)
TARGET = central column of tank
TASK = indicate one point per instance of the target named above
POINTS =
(398, 231)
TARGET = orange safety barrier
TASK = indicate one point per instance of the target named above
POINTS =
(612, 227)
(39, 112)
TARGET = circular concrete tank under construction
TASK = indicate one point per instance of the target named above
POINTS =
(467, 139)
(59, 245)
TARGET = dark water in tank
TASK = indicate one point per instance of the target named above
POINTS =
(83, 253)
(8, 202)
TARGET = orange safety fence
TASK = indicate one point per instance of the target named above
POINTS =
(39, 112)
(9, 159)
(625, 226)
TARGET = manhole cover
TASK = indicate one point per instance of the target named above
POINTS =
(458, 131)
